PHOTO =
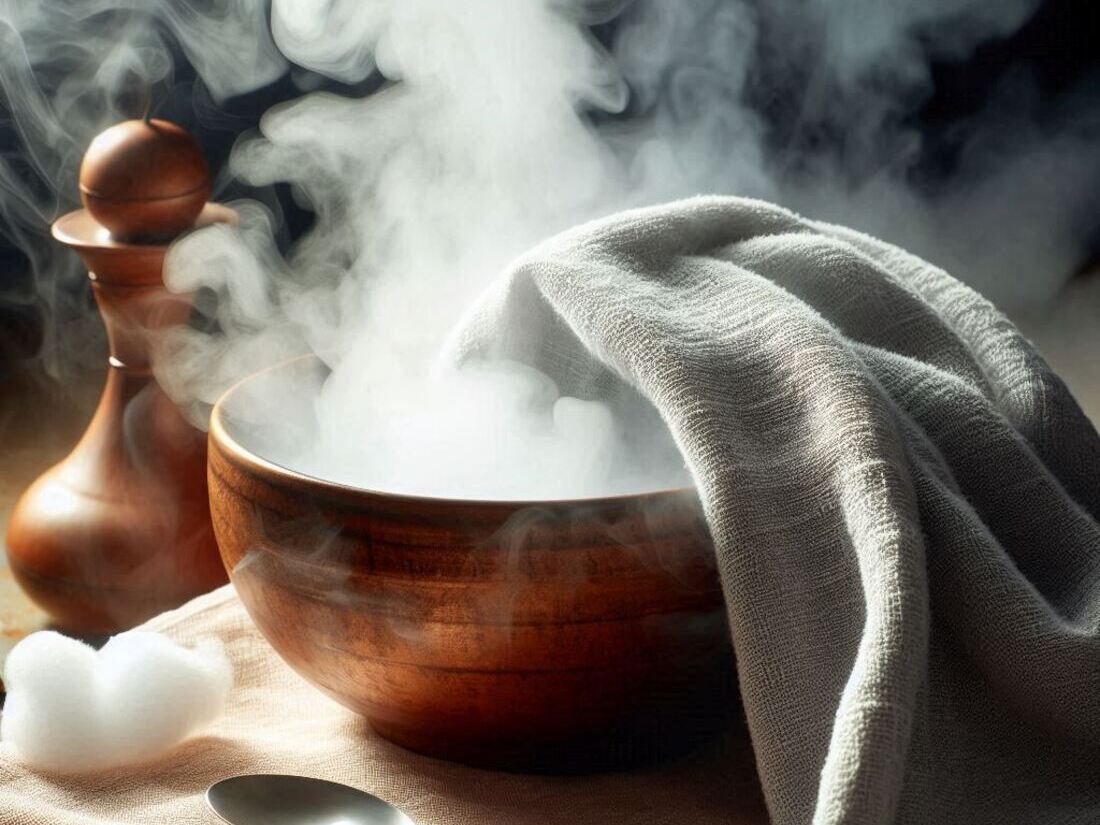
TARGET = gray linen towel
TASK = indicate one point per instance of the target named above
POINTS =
(903, 499)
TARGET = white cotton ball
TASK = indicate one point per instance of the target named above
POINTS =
(72, 709)
(51, 713)
(157, 692)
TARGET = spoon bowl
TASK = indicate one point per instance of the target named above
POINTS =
(278, 799)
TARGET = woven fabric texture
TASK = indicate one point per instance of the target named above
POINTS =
(903, 499)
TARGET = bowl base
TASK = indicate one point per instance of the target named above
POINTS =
(628, 745)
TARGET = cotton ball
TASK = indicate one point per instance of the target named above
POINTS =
(71, 709)
(51, 714)
(154, 692)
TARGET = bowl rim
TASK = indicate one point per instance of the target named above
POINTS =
(220, 436)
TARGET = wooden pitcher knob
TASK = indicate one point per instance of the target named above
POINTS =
(144, 180)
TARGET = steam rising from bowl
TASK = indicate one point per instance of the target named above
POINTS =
(504, 121)
(497, 430)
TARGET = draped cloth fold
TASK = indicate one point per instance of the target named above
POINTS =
(903, 499)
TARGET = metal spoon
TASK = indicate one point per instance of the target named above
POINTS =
(275, 799)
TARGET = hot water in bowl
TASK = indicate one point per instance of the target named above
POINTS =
(558, 635)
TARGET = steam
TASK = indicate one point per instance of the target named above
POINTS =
(503, 121)
(68, 71)
(423, 192)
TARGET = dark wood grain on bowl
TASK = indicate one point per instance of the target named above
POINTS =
(560, 636)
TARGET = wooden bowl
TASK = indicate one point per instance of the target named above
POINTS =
(555, 636)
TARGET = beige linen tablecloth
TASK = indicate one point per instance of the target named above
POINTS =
(275, 722)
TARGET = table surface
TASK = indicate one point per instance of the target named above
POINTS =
(38, 434)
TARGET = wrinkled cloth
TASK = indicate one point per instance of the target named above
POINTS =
(903, 499)
(277, 723)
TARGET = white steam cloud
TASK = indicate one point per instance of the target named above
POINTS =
(504, 121)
